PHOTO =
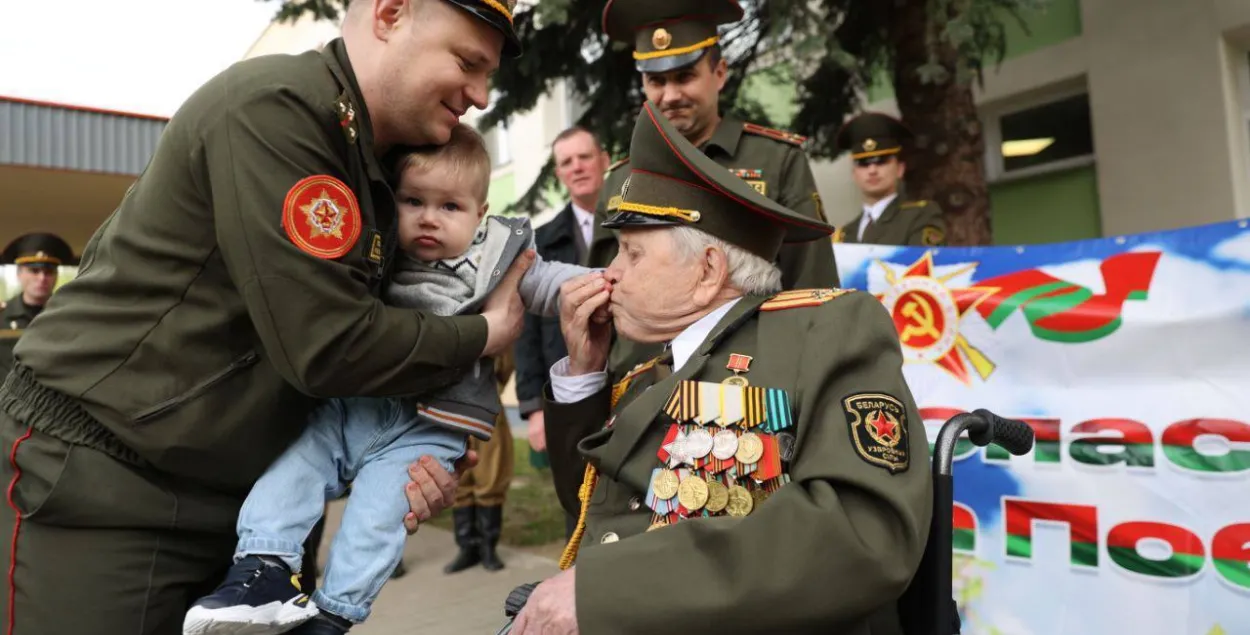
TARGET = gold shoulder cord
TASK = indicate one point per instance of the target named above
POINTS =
(591, 476)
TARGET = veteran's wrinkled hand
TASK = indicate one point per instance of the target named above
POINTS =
(586, 322)
(551, 608)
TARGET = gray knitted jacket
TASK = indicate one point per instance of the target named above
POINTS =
(459, 286)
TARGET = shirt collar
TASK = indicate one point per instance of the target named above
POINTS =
(726, 137)
(877, 209)
(583, 216)
(688, 341)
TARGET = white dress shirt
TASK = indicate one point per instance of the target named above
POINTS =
(874, 212)
(570, 388)
(585, 222)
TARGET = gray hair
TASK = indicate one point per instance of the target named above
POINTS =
(748, 272)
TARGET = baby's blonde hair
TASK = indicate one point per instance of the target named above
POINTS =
(464, 155)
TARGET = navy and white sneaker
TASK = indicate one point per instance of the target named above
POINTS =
(260, 596)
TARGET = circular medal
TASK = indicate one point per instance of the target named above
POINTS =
(724, 445)
(665, 485)
(692, 493)
(698, 443)
(759, 496)
(740, 502)
(717, 496)
(750, 448)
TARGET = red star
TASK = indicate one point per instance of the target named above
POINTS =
(884, 427)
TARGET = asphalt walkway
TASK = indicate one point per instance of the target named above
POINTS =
(428, 602)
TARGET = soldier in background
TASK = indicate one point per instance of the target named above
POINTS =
(38, 257)
(677, 51)
(875, 142)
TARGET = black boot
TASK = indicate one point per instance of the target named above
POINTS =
(467, 538)
(490, 524)
(324, 624)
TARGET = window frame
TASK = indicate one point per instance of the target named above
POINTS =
(991, 127)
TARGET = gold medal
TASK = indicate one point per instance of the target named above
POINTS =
(750, 448)
(717, 496)
(692, 493)
(665, 486)
(740, 502)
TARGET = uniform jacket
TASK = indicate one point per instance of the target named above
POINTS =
(829, 552)
(902, 223)
(541, 343)
(17, 314)
(775, 164)
(198, 332)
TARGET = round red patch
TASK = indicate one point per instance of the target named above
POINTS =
(321, 216)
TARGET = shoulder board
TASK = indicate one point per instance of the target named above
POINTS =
(801, 298)
(913, 204)
(772, 133)
(614, 166)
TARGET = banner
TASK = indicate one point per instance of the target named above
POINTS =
(1130, 358)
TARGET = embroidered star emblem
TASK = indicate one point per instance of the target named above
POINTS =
(324, 215)
(882, 427)
(677, 452)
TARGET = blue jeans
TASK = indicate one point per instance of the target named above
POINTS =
(368, 442)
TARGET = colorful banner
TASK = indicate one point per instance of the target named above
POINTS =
(1130, 357)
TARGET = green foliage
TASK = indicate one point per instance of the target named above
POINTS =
(832, 50)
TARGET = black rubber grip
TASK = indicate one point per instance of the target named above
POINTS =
(517, 599)
(1012, 435)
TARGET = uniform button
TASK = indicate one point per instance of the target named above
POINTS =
(519, 232)
(609, 537)
(495, 273)
(634, 504)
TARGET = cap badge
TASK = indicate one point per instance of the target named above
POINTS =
(661, 39)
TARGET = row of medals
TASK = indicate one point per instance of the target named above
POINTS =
(709, 486)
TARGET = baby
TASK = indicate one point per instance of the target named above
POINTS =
(450, 262)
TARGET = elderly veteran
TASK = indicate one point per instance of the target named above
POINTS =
(768, 473)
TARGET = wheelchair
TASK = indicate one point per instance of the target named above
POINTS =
(927, 606)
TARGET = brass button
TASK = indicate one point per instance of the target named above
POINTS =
(609, 537)
(634, 504)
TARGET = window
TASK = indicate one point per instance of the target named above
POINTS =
(497, 140)
(1054, 133)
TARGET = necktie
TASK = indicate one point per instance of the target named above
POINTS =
(664, 363)
(867, 228)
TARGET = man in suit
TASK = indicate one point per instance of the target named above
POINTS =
(581, 164)
(875, 142)
(766, 473)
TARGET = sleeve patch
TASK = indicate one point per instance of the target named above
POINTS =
(932, 237)
(877, 423)
(321, 216)
(801, 298)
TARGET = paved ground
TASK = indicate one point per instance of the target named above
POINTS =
(427, 602)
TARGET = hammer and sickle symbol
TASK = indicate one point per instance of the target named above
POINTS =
(921, 315)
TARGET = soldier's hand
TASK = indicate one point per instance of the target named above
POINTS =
(432, 489)
(585, 322)
(503, 310)
(551, 609)
(536, 430)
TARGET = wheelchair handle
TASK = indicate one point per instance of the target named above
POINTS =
(984, 428)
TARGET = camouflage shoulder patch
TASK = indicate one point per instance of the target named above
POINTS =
(877, 423)
(799, 298)
(773, 133)
(932, 236)
(914, 204)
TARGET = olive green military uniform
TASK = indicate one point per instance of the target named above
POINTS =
(669, 35)
(236, 283)
(874, 137)
(902, 223)
(811, 514)
(17, 314)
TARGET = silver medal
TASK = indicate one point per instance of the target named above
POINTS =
(725, 445)
(698, 443)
